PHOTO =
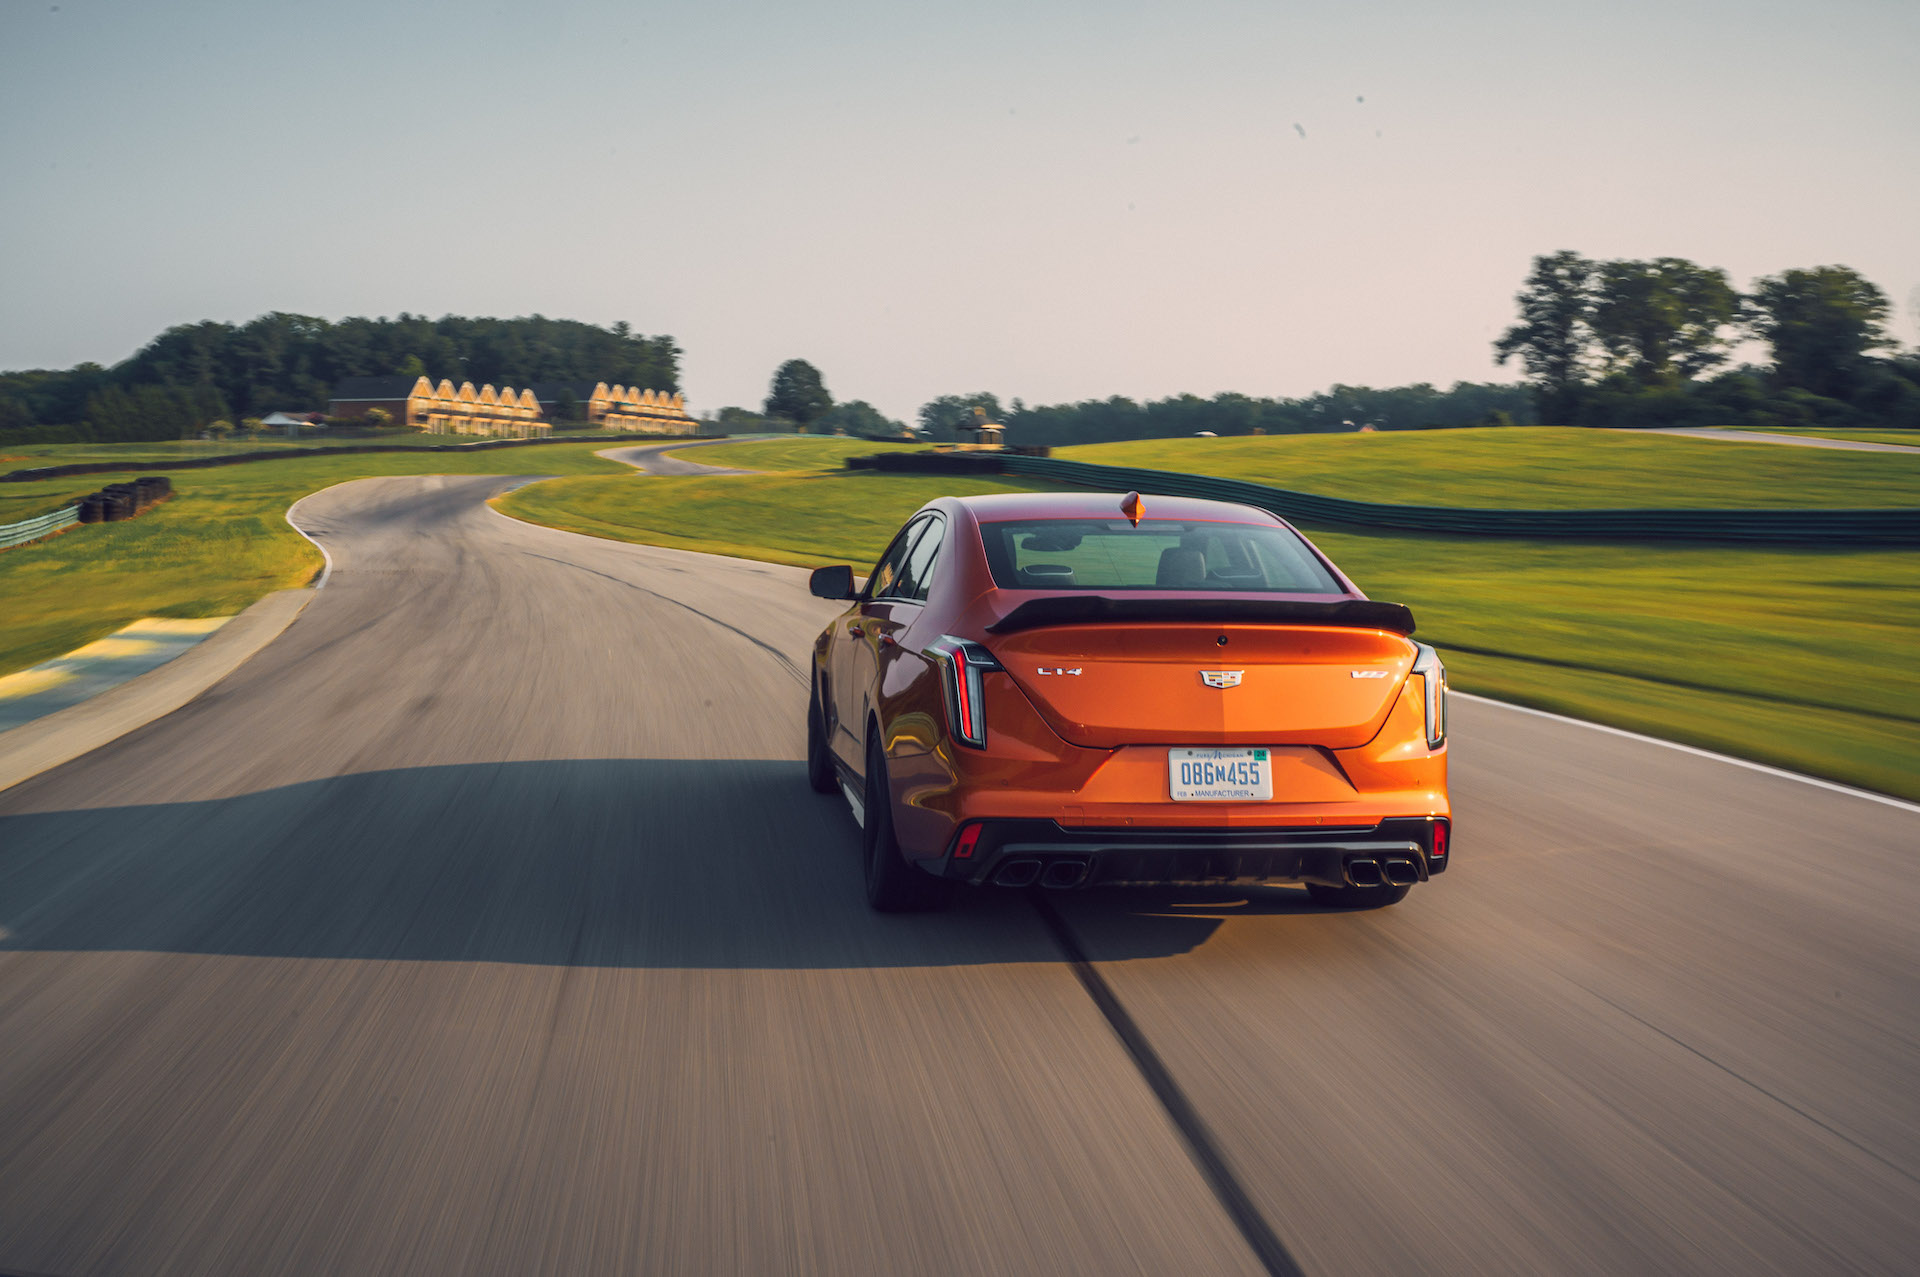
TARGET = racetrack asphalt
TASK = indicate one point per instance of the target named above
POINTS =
(665, 458)
(1767, 436)
(484, 923)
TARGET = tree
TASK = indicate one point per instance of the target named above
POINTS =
(858, 417)
(798, 394)
(939, 417)
(1662, 320)
(1821, 323)
(252, 426)
(745, 421)
(220, 429)
(378, 418)
(1553, 334)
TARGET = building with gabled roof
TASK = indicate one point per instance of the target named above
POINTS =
(446, 409)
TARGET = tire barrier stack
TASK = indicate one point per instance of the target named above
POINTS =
(1891, 526)
(119, 501)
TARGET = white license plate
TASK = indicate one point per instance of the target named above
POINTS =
(1220, 775)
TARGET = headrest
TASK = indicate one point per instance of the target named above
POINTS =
(1181, 569)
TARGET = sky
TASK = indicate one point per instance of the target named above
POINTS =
(1050, 201)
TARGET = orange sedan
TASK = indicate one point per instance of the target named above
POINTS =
(1072, 689)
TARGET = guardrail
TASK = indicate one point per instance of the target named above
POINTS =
(26, 530)
(1891, 526)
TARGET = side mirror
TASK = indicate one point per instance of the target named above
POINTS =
(835, 582)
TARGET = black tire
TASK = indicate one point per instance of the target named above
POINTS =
(1357, 897)
(820, 772)
(893, 885)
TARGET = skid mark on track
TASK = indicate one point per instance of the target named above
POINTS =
(786, 662)
(1746, 1081)
(1194, 1133)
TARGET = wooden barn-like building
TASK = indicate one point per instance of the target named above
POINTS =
(507, 412)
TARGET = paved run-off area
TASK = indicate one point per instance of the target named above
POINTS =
(87, 671)
(484, 922)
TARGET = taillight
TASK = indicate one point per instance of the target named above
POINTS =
(961, 663)
(1434, 676)
(969, 839)
(1439, 845)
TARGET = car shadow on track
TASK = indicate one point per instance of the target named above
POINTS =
(626, 863)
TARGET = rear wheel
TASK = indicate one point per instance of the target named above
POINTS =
(1356, 897)
(893, 886)
(820, 773)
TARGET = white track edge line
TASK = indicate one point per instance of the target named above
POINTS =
(326, 571)
(1747, 763)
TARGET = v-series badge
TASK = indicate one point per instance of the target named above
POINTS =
(1059, 671)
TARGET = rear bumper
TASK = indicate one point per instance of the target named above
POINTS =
(1018, 852)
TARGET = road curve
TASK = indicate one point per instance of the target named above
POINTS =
(484, 923)
(1767, 436)
(663, 458)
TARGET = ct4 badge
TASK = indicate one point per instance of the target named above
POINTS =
(1059, 670)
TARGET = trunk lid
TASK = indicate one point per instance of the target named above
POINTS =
(1143, 684)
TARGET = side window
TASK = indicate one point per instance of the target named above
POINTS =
(916, 578)
(886, 574)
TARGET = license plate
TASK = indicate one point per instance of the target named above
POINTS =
(1220, 775)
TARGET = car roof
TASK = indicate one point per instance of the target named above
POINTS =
(998, 506)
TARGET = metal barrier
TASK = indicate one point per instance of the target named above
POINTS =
(26, 530)
(1892, 526)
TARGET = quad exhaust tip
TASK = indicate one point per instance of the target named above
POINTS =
(1364, 873)
(1017, 873)
(1064, 873)
(1401, 873)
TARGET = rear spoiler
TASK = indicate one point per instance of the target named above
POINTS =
(1093, 609)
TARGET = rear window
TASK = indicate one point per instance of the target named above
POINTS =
(1160, 554)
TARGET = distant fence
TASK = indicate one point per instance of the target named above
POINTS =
(1893, 526)
(285, 454)
(26, 530)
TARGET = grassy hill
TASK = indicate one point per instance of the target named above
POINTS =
(1537, 468)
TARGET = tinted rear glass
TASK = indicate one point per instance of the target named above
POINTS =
(1160, 554)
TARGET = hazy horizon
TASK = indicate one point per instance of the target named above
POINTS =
(1054, 203)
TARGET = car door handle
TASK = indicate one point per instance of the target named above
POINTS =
(853, 628)
(888, 640)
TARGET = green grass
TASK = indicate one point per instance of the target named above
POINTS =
(25, 500)
(1796, 657)
(1800, 658)
(1535, 468)
(33, 455)
(217, 545)
(808, 520)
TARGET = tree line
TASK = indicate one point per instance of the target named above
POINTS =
(1647, 343)
(799, 400)
(195, 374)
(1602, 343)
(1342, 408)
